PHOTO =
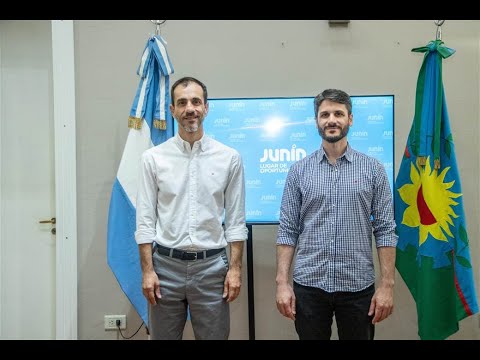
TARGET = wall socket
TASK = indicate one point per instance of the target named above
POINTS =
(111, 322)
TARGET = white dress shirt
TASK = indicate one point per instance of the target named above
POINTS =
(185, 193)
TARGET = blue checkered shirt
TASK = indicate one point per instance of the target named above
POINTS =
(329, 213)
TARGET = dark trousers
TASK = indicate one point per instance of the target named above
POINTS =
(315, 309)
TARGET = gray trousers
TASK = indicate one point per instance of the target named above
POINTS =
(195, 284)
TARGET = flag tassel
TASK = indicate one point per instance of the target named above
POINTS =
(135, 123)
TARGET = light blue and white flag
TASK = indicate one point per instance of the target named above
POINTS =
(150, 123)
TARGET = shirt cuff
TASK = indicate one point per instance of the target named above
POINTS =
(238, 234)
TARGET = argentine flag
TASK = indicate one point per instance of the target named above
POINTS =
(150, 124)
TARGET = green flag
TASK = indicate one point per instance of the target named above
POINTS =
(433, 253)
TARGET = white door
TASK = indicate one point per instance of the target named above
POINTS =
(36, 274)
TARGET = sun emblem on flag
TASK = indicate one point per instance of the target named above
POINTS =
(429, 202)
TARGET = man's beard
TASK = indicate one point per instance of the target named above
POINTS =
(190, 129)
(335, 138)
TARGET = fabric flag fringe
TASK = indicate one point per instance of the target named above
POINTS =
(150, 124)
(433, 254)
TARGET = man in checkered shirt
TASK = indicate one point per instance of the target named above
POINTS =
(334, 200)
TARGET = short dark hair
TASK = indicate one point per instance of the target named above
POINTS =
(185, 81)
(338, 96)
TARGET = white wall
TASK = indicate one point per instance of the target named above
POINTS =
(259, 59)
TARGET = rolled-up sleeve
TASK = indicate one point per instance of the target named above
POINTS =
(146, 217)
(382, 210)
(235, 223)
(289, 226)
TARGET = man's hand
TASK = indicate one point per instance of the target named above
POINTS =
(381, 304)
(232, 284)
(151, 286)
(286, 300)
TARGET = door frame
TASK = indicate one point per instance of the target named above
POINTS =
(63, 60)
(63, 66)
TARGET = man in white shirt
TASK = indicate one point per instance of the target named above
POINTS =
(188, 186)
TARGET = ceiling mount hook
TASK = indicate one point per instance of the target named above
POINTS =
(439, 24)
(157, 23)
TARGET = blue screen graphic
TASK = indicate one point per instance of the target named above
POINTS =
(273, 133)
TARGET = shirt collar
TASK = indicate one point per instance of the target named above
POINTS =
(185, 145)
(348, 154)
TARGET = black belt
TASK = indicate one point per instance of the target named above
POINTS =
(186, 255)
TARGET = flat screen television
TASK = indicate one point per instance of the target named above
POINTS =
(273, 133)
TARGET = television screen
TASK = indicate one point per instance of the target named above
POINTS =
(273, 133)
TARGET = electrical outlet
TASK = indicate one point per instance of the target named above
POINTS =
(111, 322)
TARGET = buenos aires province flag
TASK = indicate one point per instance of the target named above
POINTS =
(433, 252)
